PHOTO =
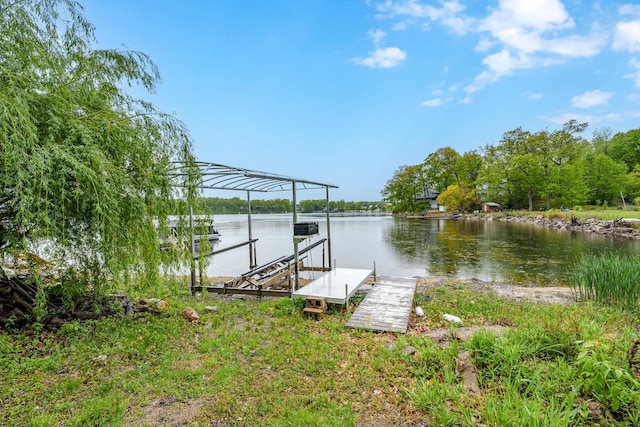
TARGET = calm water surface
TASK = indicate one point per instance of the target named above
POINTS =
(486, 250)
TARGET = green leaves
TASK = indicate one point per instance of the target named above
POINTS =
(85, 166)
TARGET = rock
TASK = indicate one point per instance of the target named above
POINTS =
(190, 314)
(468, 372)
(391, 347)
(162, 305)
(410, 350)
(155, 303)
(419, 312)
(128, 310)
(451, 318)
(211, 308)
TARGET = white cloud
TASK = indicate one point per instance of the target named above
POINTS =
(627, 36)
(450, 14)
(376, 36)
(538, 16)
(576, 46)
(383, 58)
(528, 35)
(591, 98)
(400, 26)
(561, 119)
(630, 9)
(436, 102)
(534, 96)
(484, 45)
(466, 100)
(635, 75)
(504, 62)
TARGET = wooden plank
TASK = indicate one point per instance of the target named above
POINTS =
(387, 306)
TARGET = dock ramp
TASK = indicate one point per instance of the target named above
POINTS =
(387, 306)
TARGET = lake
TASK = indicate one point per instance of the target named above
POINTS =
(486, 250)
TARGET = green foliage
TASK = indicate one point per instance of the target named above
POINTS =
(85, 166)
(459, 198)
(405, 187)
(236, 205)
(605, 178)
(608, 279)
(613, 386)
(625, 148)
(530, 170)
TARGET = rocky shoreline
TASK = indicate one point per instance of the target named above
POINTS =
(623, 227)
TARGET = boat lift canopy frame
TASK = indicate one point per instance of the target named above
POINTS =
(216, 176)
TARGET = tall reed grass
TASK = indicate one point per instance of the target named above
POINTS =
(611, 279)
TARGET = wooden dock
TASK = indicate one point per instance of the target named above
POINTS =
(387, 306)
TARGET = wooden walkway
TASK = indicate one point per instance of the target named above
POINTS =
(387, 306)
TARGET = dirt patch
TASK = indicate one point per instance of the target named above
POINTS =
(547, 295)
(168, 411)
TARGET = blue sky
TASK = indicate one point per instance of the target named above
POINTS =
(344, 92)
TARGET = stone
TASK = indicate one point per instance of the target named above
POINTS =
(211, 308)
(410, 350)
(162, 305)
(190, 314)
(419, 312)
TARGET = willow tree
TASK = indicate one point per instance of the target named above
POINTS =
(84, 166)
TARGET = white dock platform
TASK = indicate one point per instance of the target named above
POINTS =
(331, 285)
(387, 306)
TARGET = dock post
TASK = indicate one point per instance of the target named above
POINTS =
(346, 298)
(374, 272)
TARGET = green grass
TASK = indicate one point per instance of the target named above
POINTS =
(257, 363)
(608, 279)
(582, 215)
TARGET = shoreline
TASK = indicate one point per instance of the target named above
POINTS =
(615, 228)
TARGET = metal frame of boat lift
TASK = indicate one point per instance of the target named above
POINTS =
(217, 176)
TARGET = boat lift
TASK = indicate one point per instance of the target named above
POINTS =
(258, 280)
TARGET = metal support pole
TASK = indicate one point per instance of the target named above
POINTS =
(296, 284)
(252, 254)
(328, 227)
(193, 252)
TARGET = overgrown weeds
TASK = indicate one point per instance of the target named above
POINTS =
(612, 279)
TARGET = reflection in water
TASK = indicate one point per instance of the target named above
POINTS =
(494, 250)
(486, 250)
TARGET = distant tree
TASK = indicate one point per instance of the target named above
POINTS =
(85, 166)
(525, 176)
(601, 141)
(468, 167)
(403, 188)
(442, 168)
(605, 178)
(571, 184)
(459, 198)
(625, 148)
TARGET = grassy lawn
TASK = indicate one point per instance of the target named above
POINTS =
(251, 362)
(584, 214)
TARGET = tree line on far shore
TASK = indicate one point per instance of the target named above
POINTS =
(525, 170)
(236, 205)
